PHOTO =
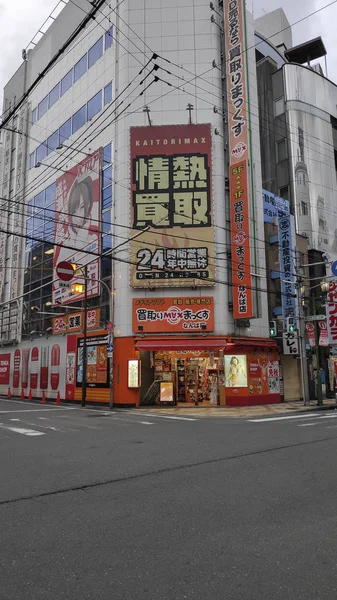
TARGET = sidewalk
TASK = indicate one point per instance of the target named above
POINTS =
(244, 411)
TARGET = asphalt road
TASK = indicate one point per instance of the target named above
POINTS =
(137, 505)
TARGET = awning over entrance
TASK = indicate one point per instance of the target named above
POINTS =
(181, 344)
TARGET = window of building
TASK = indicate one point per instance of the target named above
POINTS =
(108, 38)
(54, 95)
(50, 194)
(39, 200)
(282, 150)
(79, 118)
(95, 105)
(106, 217)
(95, 52)
(42, 107)
(80, 67)
(52, 142)
(41, 153)
(107, 176)
(107, 197)
(107, 155)
(66, 82)
(34, 116)
(65, 131)
(304, 208)
(284, 192)
(32, 160)
(106, 242)
(108, 93)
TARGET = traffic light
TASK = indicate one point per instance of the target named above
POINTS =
(291, 324)
(272, 328)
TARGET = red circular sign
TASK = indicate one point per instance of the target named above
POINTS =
(65, 271)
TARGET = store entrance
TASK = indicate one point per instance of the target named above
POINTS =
(193, 375)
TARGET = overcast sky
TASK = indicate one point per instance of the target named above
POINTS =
(21, 19)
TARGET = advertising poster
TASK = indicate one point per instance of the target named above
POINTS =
(97, 362)
(236, 371)
(166, 391)
(73, 323)
(240, 237)
(78, 225)
(161, 315)
(171, 192)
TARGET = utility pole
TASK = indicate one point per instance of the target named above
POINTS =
(190, 107)
(84, 358)
(318, 371)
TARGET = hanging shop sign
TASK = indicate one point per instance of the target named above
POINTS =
(171, 191)
(310, 329)
(323, 333)
(163, 315)
(74, 322)
(274, 206)
(287, 242)
(78, 226)
(240, 237)
(290, 343)
(332, 313)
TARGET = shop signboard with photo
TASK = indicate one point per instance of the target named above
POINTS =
(254, 375)
(97, 362)
(171, 192)
(175, 314)
(78, 225)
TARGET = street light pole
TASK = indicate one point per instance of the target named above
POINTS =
(84, 357)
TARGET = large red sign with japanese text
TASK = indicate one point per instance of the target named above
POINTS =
(241, 263)
(78, 226)
(162, 315)
(171, 194)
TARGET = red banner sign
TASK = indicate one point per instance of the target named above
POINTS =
(310, 329)
(332, 313)
(323, 333)
(5, 362)
(241, 263)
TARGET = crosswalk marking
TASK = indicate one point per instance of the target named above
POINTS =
(23, 431)
(154, 415)
(288, 417)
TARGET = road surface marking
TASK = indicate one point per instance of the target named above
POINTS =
(14, 419)
(308, 424)
(268, 419)
(29, 410)
(154, 415)
(329, 416)
(29, 432)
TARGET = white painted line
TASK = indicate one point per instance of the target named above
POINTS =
(308, 424)
(268, 419)
(154, 415)
(14, 419)
(29, 410)
(329, 416)
(29, 432)
(146, 423)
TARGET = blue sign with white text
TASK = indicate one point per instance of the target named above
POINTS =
(287, 243)
(274, 206)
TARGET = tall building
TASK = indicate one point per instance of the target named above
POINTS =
(131, 149)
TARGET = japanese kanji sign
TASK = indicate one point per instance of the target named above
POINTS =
(311, 333)
(236, 80)
(274, 206)
(323, 333)
(287, 242)
(74, 322)
(161, 315)
(241, 263)
(290, 343)
(171, 183)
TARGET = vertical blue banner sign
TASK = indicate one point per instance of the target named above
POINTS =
(287, 244)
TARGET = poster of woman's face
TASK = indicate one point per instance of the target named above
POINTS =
(236, 370)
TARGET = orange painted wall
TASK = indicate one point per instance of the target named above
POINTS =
(123, 351)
